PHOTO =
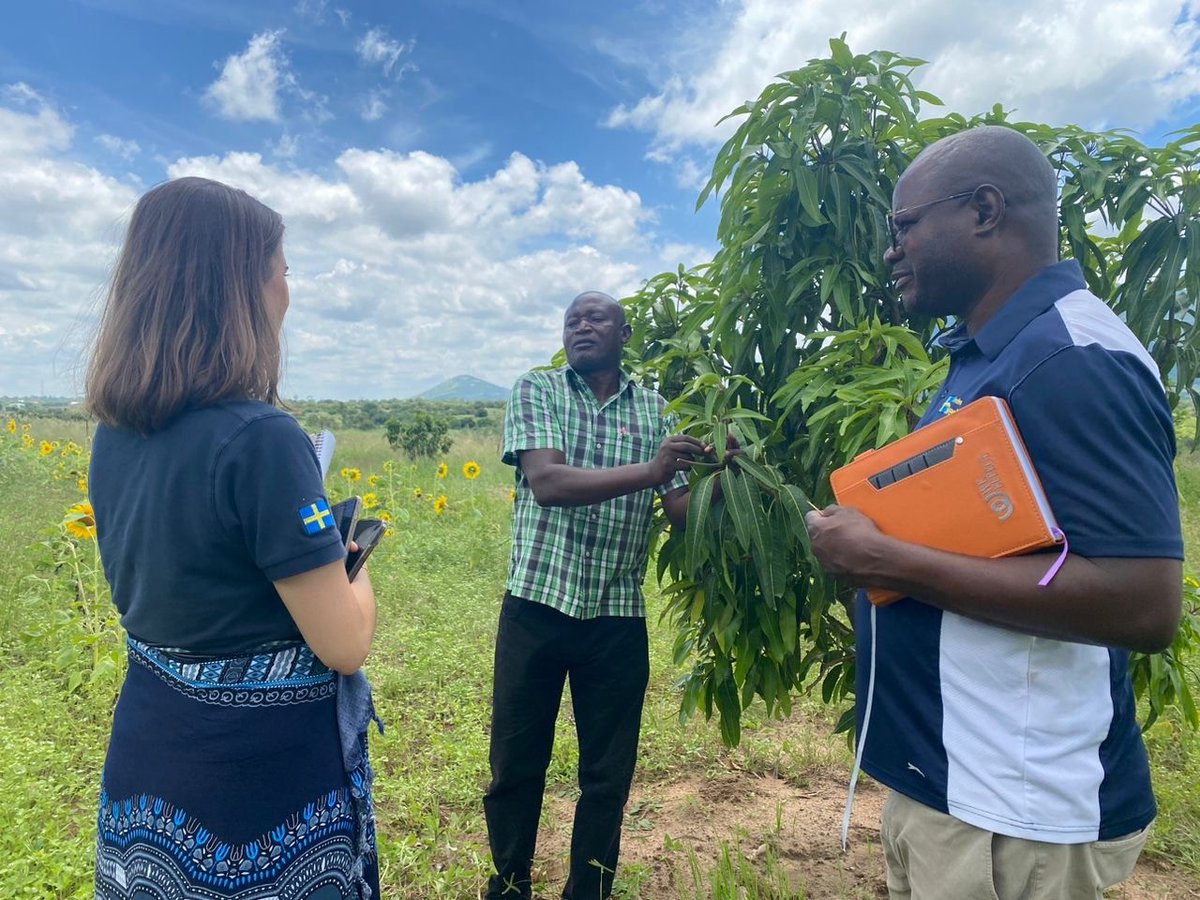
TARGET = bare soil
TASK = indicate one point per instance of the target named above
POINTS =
(790, 828)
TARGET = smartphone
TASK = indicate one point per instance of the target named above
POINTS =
(345, 516)
(368, 535)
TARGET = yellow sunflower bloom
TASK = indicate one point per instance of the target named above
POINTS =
(26, 428)
(370, 501)
(83, 484)
(440, 504)
(471, 470)
(385, 517)
(373, 481)
(12, 426)
(418, 493)
(351, 474)
(27, 440)
(80, 521)
(443, 470)
(45, 449)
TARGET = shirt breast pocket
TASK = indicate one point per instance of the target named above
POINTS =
(632, 449)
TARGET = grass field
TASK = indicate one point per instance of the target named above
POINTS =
(439, 578)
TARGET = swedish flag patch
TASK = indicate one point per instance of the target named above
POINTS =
(316, 517)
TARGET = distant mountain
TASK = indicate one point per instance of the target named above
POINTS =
(464, 387)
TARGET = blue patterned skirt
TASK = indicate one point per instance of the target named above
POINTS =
(225, 778)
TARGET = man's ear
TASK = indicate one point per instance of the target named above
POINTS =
(990, 207)
(626, 334)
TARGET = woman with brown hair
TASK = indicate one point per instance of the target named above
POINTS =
(237, 764)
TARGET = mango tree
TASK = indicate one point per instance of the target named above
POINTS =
(794, 339)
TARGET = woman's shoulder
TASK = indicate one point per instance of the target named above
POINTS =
(234, 416)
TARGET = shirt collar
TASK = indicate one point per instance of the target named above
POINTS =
(1028, 302)
(623, 382)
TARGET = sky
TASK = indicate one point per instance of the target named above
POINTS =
(452, 172)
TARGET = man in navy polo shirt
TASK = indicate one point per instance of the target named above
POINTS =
(1003, 718)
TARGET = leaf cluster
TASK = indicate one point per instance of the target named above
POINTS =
(794, 337)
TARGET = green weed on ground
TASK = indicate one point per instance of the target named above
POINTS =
(439, 578)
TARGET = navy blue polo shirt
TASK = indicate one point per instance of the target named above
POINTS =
(196, 521)
(1024, 736)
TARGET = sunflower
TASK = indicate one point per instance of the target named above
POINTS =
(418, 493)
(370, 501)
(80, 521)
(83, 484)
(12, 426)
(385, 517)
(470, 470)
(443, 470)
(352, 474)
(373, 481)
(27, 440)
(440, 504)
(45, 449)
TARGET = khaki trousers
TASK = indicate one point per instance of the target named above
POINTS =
(933, 856)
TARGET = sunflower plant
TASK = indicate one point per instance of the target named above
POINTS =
(86, 626)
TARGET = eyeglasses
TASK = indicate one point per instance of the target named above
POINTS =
(897, 231)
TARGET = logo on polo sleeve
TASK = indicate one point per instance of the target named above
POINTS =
(316, 517)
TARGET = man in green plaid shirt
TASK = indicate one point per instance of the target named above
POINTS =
(591, 449)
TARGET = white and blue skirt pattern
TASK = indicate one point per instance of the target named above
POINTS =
(226, 778)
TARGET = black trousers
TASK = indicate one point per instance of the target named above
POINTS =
(607, 660)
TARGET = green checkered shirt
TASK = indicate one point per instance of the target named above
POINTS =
(585, 561)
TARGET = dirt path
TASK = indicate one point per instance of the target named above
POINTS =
(784, 830)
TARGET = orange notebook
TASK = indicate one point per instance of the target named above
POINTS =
(963, 483)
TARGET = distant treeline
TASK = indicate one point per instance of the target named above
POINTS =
(366, 415)
(43, 408)
(371, 415)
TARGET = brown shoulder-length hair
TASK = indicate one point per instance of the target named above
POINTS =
(184, 323)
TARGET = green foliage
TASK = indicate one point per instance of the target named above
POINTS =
(423, 436)
(439, 579)
(366, 415)
(794, 338)
(1162, 680)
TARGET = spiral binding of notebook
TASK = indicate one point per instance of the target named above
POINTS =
(323, 442)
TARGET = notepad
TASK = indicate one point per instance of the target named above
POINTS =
(323, 443)
(963, 483)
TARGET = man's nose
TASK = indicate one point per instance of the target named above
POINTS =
(893, 254)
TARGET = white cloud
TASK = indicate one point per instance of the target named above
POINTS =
(21, 133)
(62, 220)
(1091, 62)
(313, 10)
(374, 106)
(421, 272)
(250, 82)
(126, 149)
(287, 147)
(377, 49)
(687, 255)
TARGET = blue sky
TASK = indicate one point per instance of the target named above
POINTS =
(453, 172)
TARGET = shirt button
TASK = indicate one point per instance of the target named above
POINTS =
(599, 446)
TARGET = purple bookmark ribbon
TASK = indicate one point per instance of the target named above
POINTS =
(1062, 557)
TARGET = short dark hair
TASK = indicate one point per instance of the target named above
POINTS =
(1007, 159)
(184, 324)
